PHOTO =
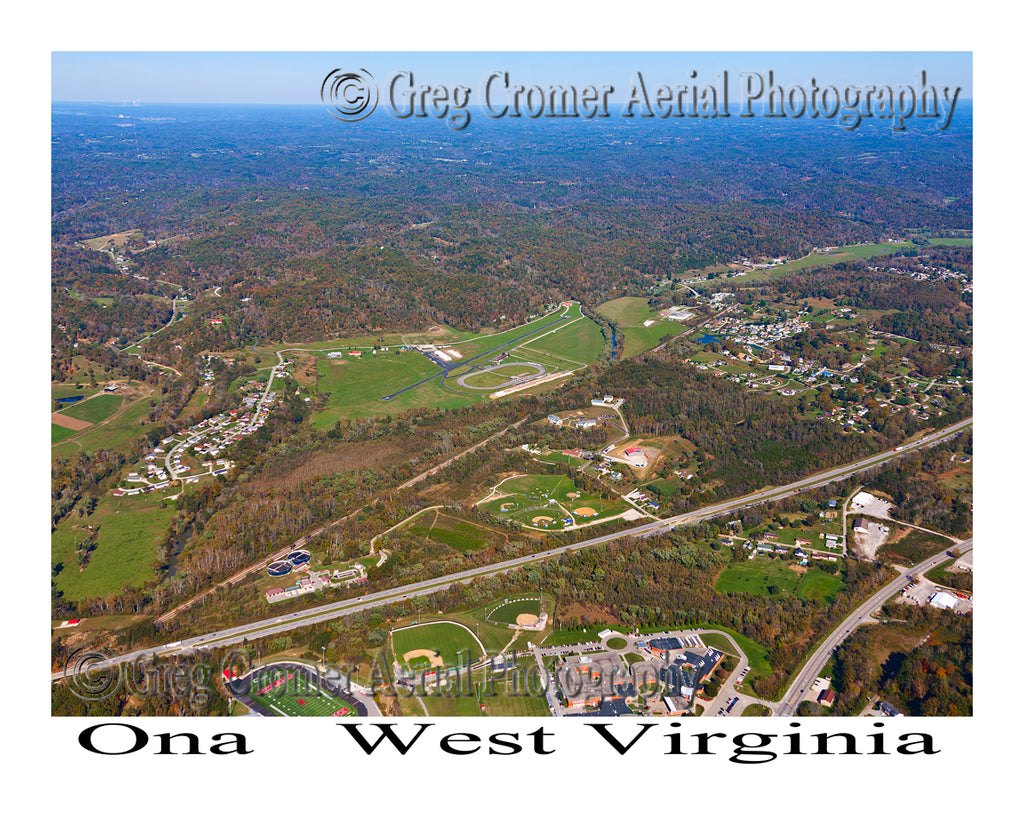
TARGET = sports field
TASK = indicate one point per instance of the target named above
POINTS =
(514, 692)
(288, 692)
(453, 642)
(545, 502)
(508, 612)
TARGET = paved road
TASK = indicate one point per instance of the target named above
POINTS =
(331, 611)
(302, 541)
(540, 369)
(449, 366)
(812, 668)
(192, 437)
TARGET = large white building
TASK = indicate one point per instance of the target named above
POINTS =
(942, 600)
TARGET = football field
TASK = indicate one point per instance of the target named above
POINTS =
(291, 694)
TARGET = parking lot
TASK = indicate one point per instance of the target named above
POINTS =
(919, 592)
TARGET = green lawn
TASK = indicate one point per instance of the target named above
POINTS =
(59, 433)
(355, 385)
(819, 585)
(952, 240)
(458, 534)
(775, 577)
(789, 535)
(757, 656)
(503, 695)
(94, 409)
(508, 612)
(66, 390)
(575, 344)
(629, 313)
(130, 531)
(122, 430)
(453, 641)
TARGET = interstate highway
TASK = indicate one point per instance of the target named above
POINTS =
(330, 611)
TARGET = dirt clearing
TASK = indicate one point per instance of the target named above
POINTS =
(433, 656)
(68, 422)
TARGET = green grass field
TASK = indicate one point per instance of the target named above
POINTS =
(840, 254)
(757, 656)
(66, 390)
(453, 641)
(457, 533)
(130, 531)
(515, 693)
(775, 577)
(508, 612)
(284, 692)
(354, 386)
(540, 496)
(955, 241)
(575, 344)
(94, 409)
(492, 379)
(59, 433)
(123, 429)
(789, 535)
(629, 313)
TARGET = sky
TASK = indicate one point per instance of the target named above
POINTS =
(278, 77)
